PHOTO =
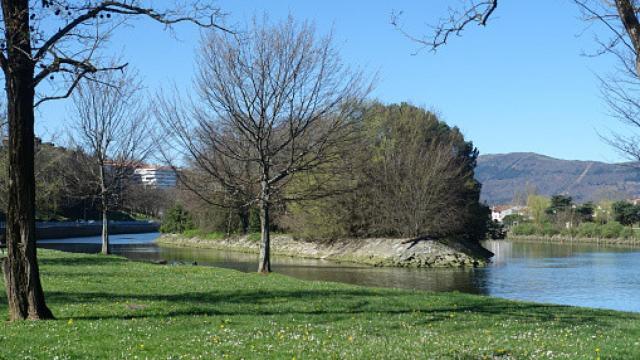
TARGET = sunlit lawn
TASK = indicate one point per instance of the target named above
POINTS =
(108, 307)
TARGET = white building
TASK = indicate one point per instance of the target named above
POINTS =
(157, 176)
(500, 211)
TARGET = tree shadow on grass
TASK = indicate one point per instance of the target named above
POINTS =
(81, 261)
(343, 302)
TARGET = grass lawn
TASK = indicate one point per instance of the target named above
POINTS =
(111, 308)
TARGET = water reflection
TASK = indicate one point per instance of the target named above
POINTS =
(572, 274)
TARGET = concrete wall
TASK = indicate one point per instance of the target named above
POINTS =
(59, 230)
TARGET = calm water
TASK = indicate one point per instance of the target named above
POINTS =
(583, 275)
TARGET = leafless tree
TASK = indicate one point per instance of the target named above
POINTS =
(112, 127)
(54, 42)
(621, 87)
(151, 201)
(273, 103)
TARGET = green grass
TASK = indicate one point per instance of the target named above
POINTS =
(204, 235)
(111, 308)
(219, 235)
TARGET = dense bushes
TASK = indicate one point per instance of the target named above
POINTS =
(559, 215)
(525, 229)
(176, 220)
(409, 175)
(590, 230)
(495, 230)
(610, 230)
(412, 175)
(626, 213)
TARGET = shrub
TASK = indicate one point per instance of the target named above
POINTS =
(625, 212)
(204, 235)
(524, 229)
(177, 220)
(591, 230)
(627, 233)
(549, 230)
(513, 219)
(611, 230)
(190, 233)
(495, 230)
(254, 236)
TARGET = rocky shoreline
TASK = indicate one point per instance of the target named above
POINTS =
(375, 252)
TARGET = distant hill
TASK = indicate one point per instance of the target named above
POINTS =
(503, 175)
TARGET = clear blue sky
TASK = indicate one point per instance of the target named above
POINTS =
(521, 84)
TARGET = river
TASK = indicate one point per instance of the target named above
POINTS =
(571, 274)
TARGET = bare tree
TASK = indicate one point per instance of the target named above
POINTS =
(150, 201)
(273, 103)
(42, 38)
(621, 87)
(112, 127)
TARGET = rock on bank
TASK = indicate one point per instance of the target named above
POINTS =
(376, 252)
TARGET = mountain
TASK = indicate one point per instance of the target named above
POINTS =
(503, 176)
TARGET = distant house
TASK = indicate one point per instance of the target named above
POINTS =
(156, 176)
(498, 212)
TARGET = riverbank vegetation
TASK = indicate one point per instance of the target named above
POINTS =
(559, 216)
(316, 158)
(154, 311)
(413, 185)
(66, 188)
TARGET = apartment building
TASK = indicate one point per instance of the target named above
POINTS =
(156, 176)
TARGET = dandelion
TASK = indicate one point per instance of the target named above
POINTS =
(70, 322)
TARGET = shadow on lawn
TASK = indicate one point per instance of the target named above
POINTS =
(334, 303)
(88, 260)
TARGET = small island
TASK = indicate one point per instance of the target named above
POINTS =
(418, 253)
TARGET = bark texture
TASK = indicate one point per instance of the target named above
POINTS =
(105, 207)
(264, 264)
(22, 278)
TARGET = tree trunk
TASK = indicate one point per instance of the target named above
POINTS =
(105, 208)
(627, 13)
(264, 265)
(243, 213)
(22, 277)
(25, 296)
(105, 232)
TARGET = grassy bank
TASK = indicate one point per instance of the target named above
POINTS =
(219, 235)
(108, 307)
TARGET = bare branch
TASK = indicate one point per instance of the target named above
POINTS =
(118, 7)
(84, 70)
(473, 12)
